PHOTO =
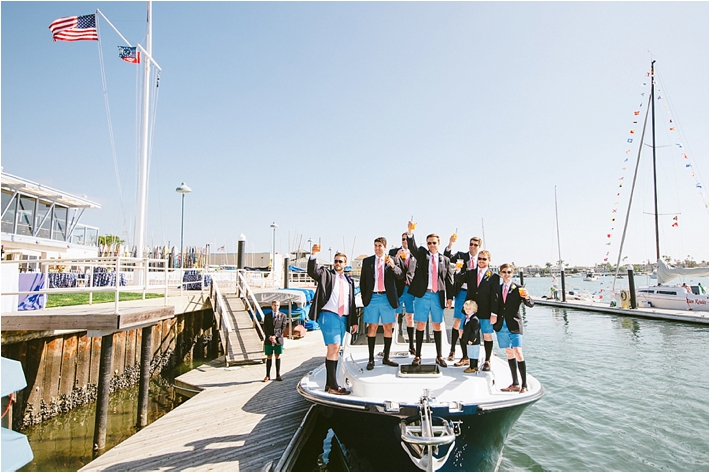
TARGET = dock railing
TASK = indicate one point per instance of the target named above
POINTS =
(117, 274)
(247, 295)
(220, 315)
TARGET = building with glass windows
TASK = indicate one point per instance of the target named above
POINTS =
(41, 222)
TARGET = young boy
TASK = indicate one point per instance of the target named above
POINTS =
(274, 327)
(471, 335)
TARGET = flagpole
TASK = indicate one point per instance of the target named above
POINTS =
(143, 186)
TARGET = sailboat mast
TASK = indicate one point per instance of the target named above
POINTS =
(143, 180)
(557, 224)
(653, 146)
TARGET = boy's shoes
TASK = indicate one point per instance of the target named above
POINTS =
(370, 365)
(278, 378)
(463, 362)
(267, 379)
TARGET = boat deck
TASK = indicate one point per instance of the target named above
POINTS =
(236, 423)
(648, 313)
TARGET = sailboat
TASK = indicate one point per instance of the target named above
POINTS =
(664, 295)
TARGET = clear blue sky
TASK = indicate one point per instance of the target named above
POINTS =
(339, 121)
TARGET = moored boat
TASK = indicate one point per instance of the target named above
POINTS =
(432, 417)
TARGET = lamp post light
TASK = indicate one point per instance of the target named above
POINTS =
(182, 189)
(273, 226)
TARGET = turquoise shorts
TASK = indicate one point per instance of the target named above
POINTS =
(333, 327)
(486, 326)
(429, 303)
(458, 305)
(509, 340)
(379, 311)
(408, 300)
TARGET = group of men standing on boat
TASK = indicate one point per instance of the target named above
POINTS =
(421, 279)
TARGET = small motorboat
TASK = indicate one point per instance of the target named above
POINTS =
(435, 418)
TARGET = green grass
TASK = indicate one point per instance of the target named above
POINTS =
(61, 300)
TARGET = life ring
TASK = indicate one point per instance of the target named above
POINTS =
(624, 295)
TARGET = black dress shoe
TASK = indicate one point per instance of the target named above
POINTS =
(440, 361)
(340, 391)
(416, 361)
(370, 365)
(389, 362)
(486, 366)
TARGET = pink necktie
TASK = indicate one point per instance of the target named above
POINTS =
(380, 275)
(480, 276)
(434, 275)
(341, 296)
(505, 292)
(471, 262)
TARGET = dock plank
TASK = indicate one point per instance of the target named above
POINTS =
(245, 346)
(237, 423)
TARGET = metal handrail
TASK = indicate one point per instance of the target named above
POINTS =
(246, 294)
(121, 265)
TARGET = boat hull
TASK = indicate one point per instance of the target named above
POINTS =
(375, 438)
(672, 297)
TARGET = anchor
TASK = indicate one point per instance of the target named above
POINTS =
(423, 434)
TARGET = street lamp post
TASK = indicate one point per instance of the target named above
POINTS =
(273, 250)
(182, 189)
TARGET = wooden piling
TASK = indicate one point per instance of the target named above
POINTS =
(144, 384)
(103, 393)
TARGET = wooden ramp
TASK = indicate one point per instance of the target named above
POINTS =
(237, 423)
(244, 345)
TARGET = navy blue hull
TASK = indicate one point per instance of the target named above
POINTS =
(376, 439)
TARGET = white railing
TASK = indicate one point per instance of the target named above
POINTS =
(139, 274)
(220, 315)
(246, 294)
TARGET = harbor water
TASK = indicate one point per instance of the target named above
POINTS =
(621, 394)
(64, 443)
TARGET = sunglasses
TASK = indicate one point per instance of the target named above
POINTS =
(482, 259)
(473, 244)
(339, 261)
(506, 272)
(404, 239)
(432, 243)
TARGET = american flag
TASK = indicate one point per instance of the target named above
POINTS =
(221, 248)
(75, 28)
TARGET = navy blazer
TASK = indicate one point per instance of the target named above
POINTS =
(465, 256)
(471, 331)
(274, 325)
(486, 296)
(418, 286)
(324, 278)
(510, 309)
(409, 267)
(367, 280)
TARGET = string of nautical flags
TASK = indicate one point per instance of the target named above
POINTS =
(630, 138)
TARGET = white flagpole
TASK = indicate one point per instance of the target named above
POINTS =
(143, 181)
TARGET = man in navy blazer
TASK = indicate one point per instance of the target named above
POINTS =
(379, 298)
(483, 288)
(430, 290)
(334, 307)
(409, 265)
(509, 326)
(469, 260)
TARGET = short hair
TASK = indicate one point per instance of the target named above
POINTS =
(341, 254)
(470, 305)
(382, 240)
(485, 252)
(504, 266)
(278, 303)
(435, 236)
(477, 240)
(405, 234)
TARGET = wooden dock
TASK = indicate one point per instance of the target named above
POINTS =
(648, 313)
(236, 423)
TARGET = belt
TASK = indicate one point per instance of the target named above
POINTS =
(380, 292)
(334, 313)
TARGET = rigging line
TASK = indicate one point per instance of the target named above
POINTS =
(110, 125)
(681, 134)
(631, 194)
